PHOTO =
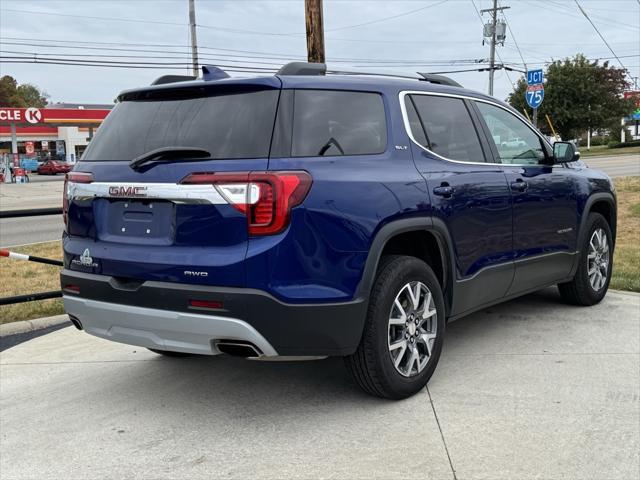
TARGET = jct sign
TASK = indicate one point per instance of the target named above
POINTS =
(21, 115)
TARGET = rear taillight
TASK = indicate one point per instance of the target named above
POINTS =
(72, 177)
(266, 198)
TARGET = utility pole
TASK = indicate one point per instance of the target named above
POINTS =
(194, 40)
(315, 30)
(494, 40)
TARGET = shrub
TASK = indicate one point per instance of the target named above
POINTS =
(632, 143)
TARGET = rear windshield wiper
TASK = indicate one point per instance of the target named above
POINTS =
(169, 154)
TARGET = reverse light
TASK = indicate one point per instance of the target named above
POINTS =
(266, 198)
(72, 177)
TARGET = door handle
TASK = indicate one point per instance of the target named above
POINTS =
(519, 185)
(444, 190)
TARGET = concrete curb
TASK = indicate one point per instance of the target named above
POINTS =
(625, 292)
(27, 326)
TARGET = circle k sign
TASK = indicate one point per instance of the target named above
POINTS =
(33, 115)
(21, 115)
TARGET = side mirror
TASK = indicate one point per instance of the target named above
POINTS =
(565, 152)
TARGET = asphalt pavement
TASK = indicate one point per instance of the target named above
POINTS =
(529, 389)
(616, 166)
(34, 177)
(25, 230)
(20, 196)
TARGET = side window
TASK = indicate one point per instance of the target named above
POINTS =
(448, 127)
(331, 122)
(516, 142)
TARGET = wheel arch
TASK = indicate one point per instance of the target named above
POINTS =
(425, 238)
(603, 203)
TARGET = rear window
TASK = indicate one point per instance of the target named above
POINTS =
(237, 125)
(327, 122)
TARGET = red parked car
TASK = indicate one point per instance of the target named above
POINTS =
(53, 167)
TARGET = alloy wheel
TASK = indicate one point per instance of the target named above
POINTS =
(598, 259)
(412, 329)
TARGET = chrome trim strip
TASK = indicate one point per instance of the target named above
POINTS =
(519, 260)
(407, 126)
(197, 194)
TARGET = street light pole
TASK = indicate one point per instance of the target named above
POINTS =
(194, 40)
(315, 31)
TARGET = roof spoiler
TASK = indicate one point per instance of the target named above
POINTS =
(439, 79)
(172, 79)
(303, 68)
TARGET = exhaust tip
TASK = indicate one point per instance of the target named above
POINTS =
(76, 322)
(238, 348)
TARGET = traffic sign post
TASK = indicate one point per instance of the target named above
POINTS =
(535, 92)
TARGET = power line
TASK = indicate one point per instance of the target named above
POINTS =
(217, 27)
(150, 67)
(217, 61)
(514, 39)
(567, 10)
(224, 56)
(385, 18)
(124, 62)
(600, 34)
(513, 85)
(56, 14)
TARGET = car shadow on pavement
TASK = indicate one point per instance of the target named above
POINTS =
(247, 387)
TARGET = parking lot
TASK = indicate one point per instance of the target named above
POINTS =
(529, 389)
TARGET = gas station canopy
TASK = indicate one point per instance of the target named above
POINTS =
(52, 117)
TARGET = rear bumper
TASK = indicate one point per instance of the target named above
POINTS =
(162, 329)
(157, 315)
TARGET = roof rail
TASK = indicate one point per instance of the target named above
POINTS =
(303, 68)
(371, 74)
(439, 79)
(172, 79)
(424, 77)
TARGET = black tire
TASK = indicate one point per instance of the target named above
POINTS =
(579, 290)
(168, 353)
(371, 365)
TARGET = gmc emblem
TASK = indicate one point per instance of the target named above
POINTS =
(128, 191)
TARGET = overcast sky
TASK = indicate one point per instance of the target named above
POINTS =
(368, 35)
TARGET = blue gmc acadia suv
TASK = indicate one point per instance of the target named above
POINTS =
(308, 215)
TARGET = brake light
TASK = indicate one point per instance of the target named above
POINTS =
(72, 177)
(266, 198)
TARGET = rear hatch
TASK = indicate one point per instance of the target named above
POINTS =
(156, 220)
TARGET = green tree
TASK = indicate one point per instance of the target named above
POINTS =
(578, 94)
(20, 96)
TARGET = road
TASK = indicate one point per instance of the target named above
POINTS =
(530, 389)
(18, 196)
(34, 177)
(616, 166)
(20, 231)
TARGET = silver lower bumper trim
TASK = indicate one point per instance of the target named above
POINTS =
(162, 329)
